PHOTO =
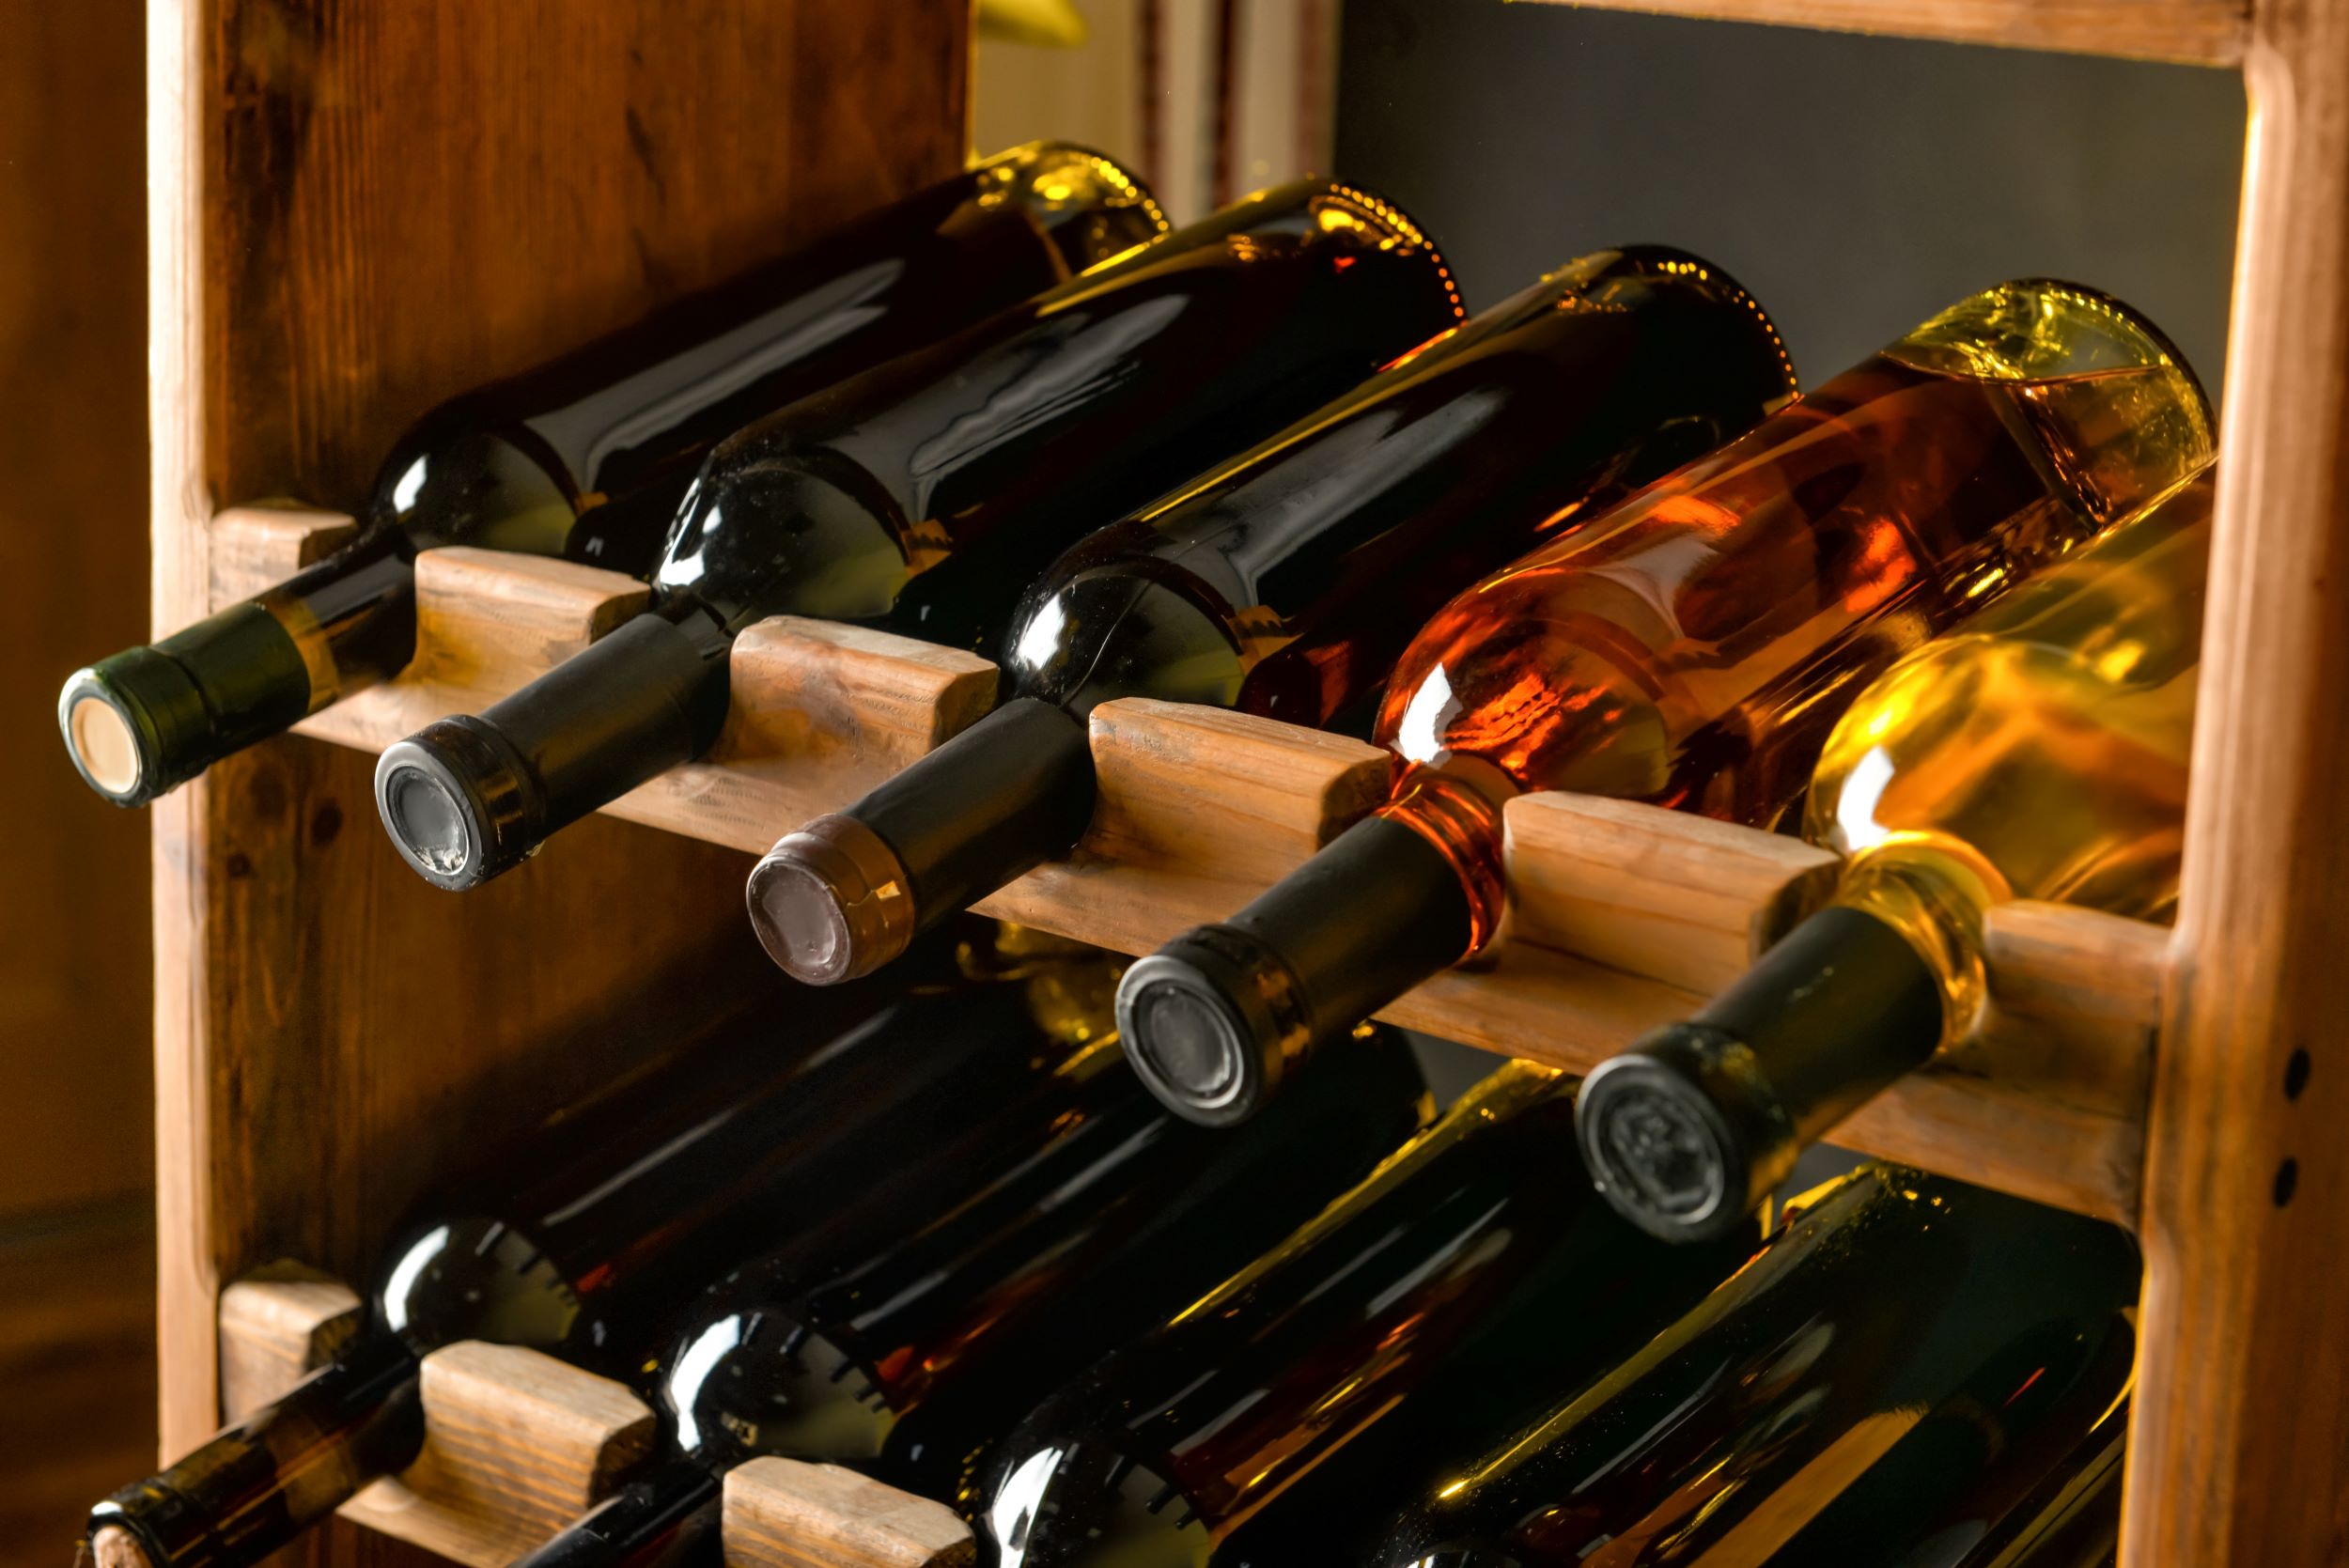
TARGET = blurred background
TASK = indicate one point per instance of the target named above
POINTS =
(1854, 185)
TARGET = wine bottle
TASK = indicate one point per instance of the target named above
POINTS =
(576, 1240)
(910, 1363)
(1690, 647)
(1904, 1363)
(2037, 751)
(1439, 1296)
(923, 496)
(590, 455)
(1287, 582)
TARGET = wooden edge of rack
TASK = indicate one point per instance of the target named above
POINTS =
(2194, 32)
(278, 1324)
(1625, 914)
(255, 548)
(782, 1514)
(516, 1446)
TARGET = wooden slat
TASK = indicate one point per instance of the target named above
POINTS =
(1682, 898)
(2239, 1433)
(2199, 32)
(258, 547)
(782, 1514)
(278, 1324)
(516, 1446)
(334, 248)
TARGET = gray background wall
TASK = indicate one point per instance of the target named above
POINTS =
(1854, 185)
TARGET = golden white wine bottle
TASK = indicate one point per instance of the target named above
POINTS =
(590, 455)
(1692, 647)
(2037, 751)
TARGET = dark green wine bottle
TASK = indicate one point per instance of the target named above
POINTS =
(576, 1240)
(924, 496)
(1904, 1365)
(1428, 1308)
(589, 456)
(913, 1360)
(1287, 582)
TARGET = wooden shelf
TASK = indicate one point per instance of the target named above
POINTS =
(1624, 915)
(2199, 32)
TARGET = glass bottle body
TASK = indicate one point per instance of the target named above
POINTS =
(1427, 1303)
(1906, 1360)
(590, 455)
(912, 1362)
(574, 1243)
(1286, 581)
(922, 495)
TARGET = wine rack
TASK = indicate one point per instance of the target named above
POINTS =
(343, 231)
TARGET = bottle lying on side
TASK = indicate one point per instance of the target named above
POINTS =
(2037, 751)
(914, 1359)
(1690, 647)
(1287, 582)
(1901, 1372)
(590, 455)
(575, 1241)
(1428, 1308)
(923, 496)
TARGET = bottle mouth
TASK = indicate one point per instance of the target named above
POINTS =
(115, 1545)
(1198, 1027)
(1680, 1134)
(451, 798)
(831, 902)
(121, 720)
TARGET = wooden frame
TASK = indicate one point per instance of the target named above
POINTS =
(298, 315)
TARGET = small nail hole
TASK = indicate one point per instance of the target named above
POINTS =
(2296, 1075)
(2287, 1178)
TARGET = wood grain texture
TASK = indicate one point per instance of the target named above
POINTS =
(256, 547)
(782, 1514)
(516, 1445)
(1680, 898)
(278, 1324)
(2239, 1436)
(355, 211)
(2199, 32)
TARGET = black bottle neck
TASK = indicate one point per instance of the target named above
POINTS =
(1690, 1130)
(850, 891)
(1217, 1019)
(669, 1519)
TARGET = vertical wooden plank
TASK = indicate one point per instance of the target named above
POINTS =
(2239, 1448)
(357, 208)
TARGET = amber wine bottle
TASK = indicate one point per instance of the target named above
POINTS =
(1439, 1298)
(1690, 647)
(911, 1361)
(1899, 1371)
(576, 1241)
(1287, 582)
(590, 455)
(923, 496)
(2037, 751)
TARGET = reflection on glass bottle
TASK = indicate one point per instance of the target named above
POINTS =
(923, 496)
(2037, 751)
(1429, 1306)
(1904, 1367)
(1690, 647)
(1062, 1238)
(575, 1240)
(590, 455)
(1286, 581)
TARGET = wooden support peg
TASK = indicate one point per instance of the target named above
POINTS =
(516, 1446)
(250, 549)
(492, 621)
(277, 1325)
(1199, 811)
(782, 1514)
(1660, 894)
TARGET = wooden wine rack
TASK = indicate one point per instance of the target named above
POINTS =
(358, 209)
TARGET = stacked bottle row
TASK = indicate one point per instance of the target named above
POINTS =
(948, 1241)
